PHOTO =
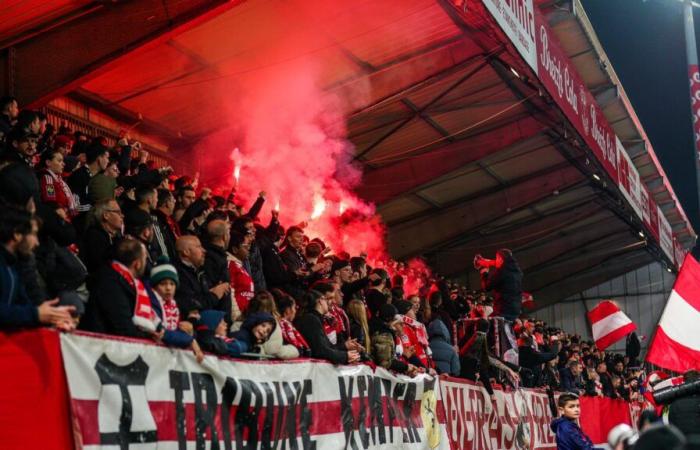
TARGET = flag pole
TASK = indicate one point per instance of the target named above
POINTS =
(691, 53)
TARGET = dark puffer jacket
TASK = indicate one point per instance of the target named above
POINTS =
(444, 355)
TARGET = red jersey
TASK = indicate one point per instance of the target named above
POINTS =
(241, 283)
(55, 190)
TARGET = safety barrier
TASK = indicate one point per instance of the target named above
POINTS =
(82, 390)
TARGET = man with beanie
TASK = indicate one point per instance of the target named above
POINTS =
(21, 147)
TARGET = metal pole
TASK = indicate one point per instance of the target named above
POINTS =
(694, 76)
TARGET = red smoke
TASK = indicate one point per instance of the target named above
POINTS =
(291, 131)
(288, 139)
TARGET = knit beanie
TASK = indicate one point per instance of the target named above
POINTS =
(163, 270)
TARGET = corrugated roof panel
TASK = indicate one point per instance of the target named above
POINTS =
(19, 16)
(153, 67)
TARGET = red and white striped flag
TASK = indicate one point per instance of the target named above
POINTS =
(676, 344)
(609, 324)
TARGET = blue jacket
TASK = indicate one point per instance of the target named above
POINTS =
(444, 355)
(570, 436)
(16, 310)
(171, 338)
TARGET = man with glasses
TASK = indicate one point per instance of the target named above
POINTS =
(106, 229)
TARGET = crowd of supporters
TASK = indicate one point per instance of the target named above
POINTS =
(96, 237)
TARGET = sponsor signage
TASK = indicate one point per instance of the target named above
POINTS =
(517, 20)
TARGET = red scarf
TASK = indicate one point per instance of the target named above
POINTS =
(144, 315)
(419, 330)
(292, 336)
(342, 322)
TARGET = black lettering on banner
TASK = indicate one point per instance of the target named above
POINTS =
(377, 409)
(180, 382)
(363, 394)
(247, 415)
(266, 439)
(291, 392)
(399, 390)
(133, 374)
(346, 415)
(391, 409)
(228, 394)
(306, 418)
(281, 414)
(204, 383)
(409, 401)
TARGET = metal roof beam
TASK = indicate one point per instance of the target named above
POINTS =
(47, 65)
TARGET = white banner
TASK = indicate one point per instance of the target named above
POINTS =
(511, 420)
(517, 20)
(666, 236)
(144, 396)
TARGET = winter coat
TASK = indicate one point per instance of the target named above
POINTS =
(96, 248)
(532, 359)
(384, 349)
(506, 284)
(310, 325)
(275, 345)
(111, 306)
(16, 309)
(569, 435)
(171, 338)
(444, 355)
(570, 383)
(193, 291)
(256, 267)
(216, 264)
(375, 299)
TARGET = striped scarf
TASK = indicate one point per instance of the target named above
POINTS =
(144, 315)
(292, 336)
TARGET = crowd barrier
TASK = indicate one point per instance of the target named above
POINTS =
(81, 390)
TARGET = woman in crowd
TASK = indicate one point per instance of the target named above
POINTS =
(287, 307)
(264, 302)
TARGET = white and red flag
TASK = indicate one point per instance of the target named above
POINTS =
(609, 324)
(676, 344)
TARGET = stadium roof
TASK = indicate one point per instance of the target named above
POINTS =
(463, 149)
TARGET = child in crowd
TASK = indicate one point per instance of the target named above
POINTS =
(569, 434)
(212, 336)
(161, 289)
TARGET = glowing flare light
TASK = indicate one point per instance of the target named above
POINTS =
(319, 208)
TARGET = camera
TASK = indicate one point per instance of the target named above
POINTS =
(667, 395)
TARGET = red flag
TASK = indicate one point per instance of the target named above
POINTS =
(676, 344)
(609, 324)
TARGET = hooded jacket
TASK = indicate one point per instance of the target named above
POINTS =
(444, 355)
(242, 341)
(569, 435)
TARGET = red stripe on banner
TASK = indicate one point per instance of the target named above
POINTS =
(34, 402)
(327, 418)
(603, 310)
(688, 282)
(670, 354)
(610, 338)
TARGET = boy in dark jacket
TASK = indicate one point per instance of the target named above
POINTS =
(569, 434)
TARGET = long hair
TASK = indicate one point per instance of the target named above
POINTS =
(356, 310)
(263, 302)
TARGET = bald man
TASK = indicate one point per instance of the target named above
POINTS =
(195, 292)
(216, 241)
